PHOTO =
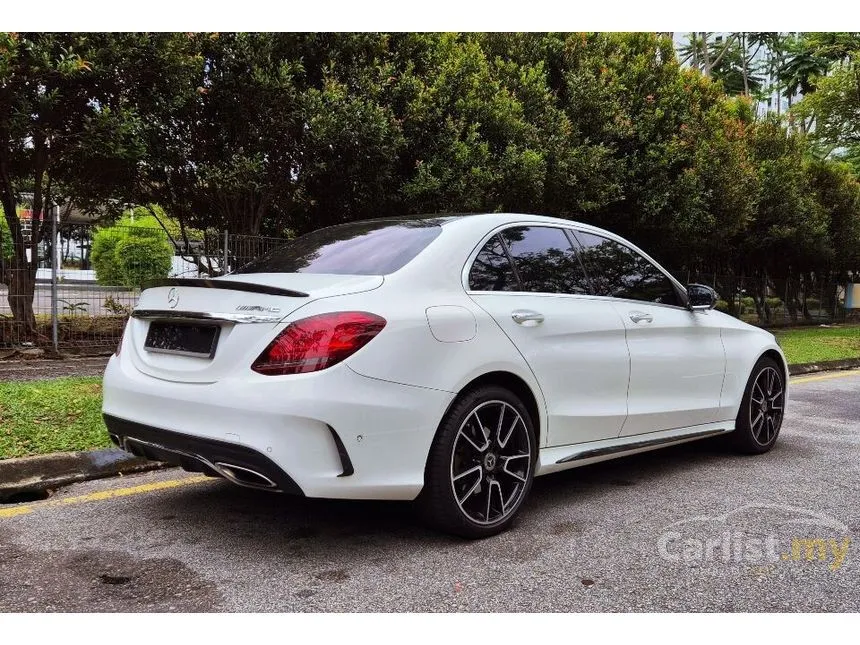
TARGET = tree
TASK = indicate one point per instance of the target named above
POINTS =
(705, 51)
(222, 151)
(835, 105)
(836, 188)
(69, 132)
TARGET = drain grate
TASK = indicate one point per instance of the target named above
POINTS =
(25, 497)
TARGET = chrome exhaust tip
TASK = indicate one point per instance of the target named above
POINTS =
(244, 476)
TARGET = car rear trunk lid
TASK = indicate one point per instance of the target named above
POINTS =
(175, 324)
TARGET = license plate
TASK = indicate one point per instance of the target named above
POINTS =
(186, 339)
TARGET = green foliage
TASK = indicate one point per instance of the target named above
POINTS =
(142, 257)
(103, 255)
(131, 252)
(115, 307)
(5, 238)
(836, 190)
(74, 308)
(835, 105)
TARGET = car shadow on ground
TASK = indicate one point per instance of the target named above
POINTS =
(291, 525)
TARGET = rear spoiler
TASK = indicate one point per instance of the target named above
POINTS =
(232, 285)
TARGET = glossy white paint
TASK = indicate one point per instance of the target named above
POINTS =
(451, 323)
(597, 377)
(677, 364)
(578, 356)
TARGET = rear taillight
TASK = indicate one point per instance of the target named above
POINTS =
(318, 342)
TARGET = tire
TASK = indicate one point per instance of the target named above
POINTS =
(475, 485)
(762, 409)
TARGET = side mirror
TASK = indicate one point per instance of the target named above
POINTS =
(701, 297)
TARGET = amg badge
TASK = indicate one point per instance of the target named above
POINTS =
(273, 310)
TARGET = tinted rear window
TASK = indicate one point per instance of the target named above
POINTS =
(545, 260)
(360, 248)
(492, 270)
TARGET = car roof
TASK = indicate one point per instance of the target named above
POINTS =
(460, 219)
(480, 220)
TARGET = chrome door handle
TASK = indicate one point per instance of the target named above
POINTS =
(521, 316)
(639, 316)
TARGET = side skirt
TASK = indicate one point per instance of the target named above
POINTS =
(559, 458)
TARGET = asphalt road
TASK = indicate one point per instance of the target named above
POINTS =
(687, 528)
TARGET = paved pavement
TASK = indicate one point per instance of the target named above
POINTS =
(686, 528)
(38, 369)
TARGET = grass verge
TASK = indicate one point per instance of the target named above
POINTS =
(38, 417)
(815, 344)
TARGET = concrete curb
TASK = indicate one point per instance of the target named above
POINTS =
(45, 472)
(823, 366)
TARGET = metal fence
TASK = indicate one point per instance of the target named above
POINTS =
(775, 302)
(82, 300)
(85, 288)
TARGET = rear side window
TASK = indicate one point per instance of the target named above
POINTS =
(492, 269)
(545, 260)
(618, 271)
(375, 247)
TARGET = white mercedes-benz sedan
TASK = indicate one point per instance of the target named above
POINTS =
(446, 359)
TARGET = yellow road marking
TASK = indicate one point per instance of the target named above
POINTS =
(14, 511)
(825, 377)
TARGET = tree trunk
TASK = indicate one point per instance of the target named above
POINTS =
(20, 276)
(22, 287)
(828, 295)
(785, 286)
(807, 285)
(706, 57)
(793, 301)
(728, 290)
(761, 305)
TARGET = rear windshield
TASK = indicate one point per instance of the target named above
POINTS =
(375, 247)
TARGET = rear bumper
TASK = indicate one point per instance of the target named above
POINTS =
(333, 434)
(239, 464)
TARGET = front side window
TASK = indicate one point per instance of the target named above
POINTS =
(545, 260)
(618, 271)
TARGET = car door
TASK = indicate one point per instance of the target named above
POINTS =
(677, 360)
(529, 279)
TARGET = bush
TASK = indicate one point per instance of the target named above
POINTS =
(130, 255)
(141, 258)
(774, 303)
(103, 255)
(747, 305)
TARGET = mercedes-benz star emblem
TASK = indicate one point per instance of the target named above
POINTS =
(172, 298)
